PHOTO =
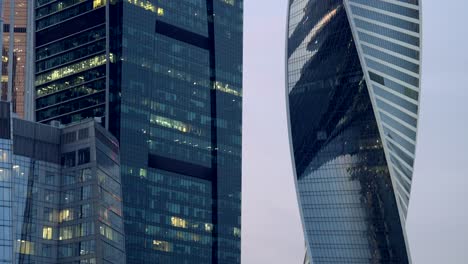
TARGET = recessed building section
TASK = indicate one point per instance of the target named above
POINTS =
(61, 199)
(70, 60)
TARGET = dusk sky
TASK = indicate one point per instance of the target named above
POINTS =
(438, 213)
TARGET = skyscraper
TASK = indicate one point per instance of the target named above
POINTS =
(60, 193)
(14, 46)
(166, 77)
(353, 88)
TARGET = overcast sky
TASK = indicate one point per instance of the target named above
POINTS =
(438, 213)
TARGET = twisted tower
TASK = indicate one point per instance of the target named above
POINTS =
(353, 83)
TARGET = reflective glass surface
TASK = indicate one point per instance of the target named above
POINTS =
(347, 200)
(167, 78)
(60, 213)
(389, 37)
(179, 106)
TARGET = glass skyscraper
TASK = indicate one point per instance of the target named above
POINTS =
(60, 193)
(353, 89)
(166, 78)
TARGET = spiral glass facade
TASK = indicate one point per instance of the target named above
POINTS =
(348, 184)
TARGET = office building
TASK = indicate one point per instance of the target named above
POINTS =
(166, 78)
(14, 65)
(353, 89)
(60, 193)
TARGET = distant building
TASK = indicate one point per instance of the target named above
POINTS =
(16, 46)
(353, 88)
(60, 193)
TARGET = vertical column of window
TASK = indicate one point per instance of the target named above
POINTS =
(6, 195)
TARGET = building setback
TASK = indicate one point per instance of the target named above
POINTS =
(60, 193)
(353, 84)
(166, 78)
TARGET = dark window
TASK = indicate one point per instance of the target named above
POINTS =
(84, 156)
(68, 159)
(83, 133)
(50, 178)
(69, 137)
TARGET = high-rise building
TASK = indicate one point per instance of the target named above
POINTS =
(60, 193)
(353, 89)
(14, 65)
(166, 78)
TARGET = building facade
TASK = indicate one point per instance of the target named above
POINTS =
(353, 83)
(15, 61)
(166, 78)
(60, 191)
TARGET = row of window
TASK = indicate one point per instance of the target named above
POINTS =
(67, 214)
(77, 249)
(72, 69)
(391, 20)
(79, 176)
(64, 15)
(54, 6)
(390, 7)
(69, 159)
(78, 230)
(72, 93)
(75, 54)
(76, 105)
(74, 81)
(73, 41)
(97, 111)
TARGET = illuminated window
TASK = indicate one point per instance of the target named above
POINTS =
(169, 123)
(4, 78)
(98, 3)
(65, 215)
(47, 232)
(145, 4)
(208, 227)
(178, 222)
(72, 69)
(229, 2)
(162, 246)
(237, 232)
(3, 156)
(160, 11)
(25, 247)
(226, 89)
(143, 173)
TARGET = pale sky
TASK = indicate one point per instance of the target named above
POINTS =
(438, 213)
